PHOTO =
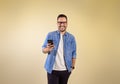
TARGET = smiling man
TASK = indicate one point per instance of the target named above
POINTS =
(60, 46)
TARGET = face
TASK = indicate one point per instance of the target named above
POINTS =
(62, 24)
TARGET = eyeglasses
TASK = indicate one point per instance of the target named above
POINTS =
(61, 22)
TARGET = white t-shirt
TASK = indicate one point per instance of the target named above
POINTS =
(59, 61)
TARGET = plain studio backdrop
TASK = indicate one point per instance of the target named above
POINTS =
(24, 25)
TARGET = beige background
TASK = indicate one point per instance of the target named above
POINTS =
(24, 25)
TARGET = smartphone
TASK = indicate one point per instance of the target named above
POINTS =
(50, 41)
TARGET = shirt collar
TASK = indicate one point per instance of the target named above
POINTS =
(66, 33)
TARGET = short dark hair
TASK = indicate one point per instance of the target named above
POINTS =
(61, 15)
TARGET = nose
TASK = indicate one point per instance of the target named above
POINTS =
(62, 24)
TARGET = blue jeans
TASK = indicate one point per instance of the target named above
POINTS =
(58, 77)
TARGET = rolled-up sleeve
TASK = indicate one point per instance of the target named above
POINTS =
(74, 48)
(45, 42)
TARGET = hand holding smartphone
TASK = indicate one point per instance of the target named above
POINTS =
(50, 44)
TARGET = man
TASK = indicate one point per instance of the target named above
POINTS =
(61, 49)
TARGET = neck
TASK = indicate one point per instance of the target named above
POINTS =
(62, 32)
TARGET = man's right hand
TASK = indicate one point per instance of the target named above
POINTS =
(48, 49)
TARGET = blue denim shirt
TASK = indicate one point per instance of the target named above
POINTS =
(69, 49)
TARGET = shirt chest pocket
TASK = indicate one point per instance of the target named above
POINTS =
(69, 45)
